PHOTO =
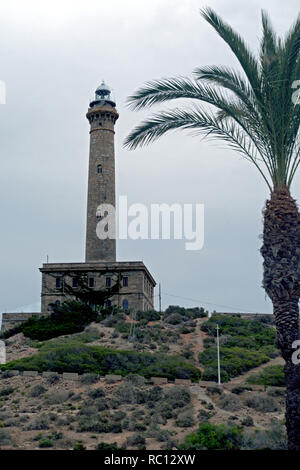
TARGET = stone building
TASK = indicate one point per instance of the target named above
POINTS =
(100, 267)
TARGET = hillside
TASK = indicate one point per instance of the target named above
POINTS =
(51, 412)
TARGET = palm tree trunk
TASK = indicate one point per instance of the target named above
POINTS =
(281, 253)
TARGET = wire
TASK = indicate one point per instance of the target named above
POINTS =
(210, 303)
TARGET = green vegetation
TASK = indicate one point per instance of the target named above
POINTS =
(245, 344)
(68, 318)
(73, 356)
(213, 437)
(269, 376)
(174, 315)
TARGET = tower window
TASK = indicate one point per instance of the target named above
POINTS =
(99, 169)
(125, 281)
(125, 304)
(100, 124)
(75, 282)
(91, 282)
(108, 282)
(58, 283)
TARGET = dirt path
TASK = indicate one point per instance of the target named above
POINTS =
(240, 379)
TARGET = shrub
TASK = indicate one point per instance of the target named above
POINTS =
(269, 376)
(88, 379)
(136, 380)
(230, 402)
(185, 420)
(204, 416)
(177, 396)
(262, 402)
(148, 315)
(68, 318)
(276, 392)
(45, 443)
(240, 389)
(136, 440)
(39, 423)
(57, 397)
(53, 378)
(274, 438)
(213, 437)
(37, 391)
(106, 446)
(79, 446)
(234, 362)
(248, 421)
(4, 437)
(212, 390)
(6, 391)
(96, 393)
(72, 356)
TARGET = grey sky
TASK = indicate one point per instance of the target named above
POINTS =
(53, 56)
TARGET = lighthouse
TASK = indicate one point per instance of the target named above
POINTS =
(102, 116)
(100, 268)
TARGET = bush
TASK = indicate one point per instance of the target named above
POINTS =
(6, 391)
(88, 379)
(135, 379)
(45, 443)
(269, 376)
(79, 446)
(240, 389)
(148, 315)
(248, 421)
(96, 393)
(136, 440)
(57, 397)
(230, 402)
(234, 362)
(37, 391)
(185, 420)
(68, 318)
(39, 423)
(4, 437)
(106, 446)
(262, 402)
(213, 437)
(274, 438)
(204, 416)
(177, 397)
(72, 356)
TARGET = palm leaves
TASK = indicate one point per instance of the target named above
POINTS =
(251, 110)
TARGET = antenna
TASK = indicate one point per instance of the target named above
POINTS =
(218, 352)
(159, 296)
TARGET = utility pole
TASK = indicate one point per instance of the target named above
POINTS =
(218, 351)
(159, 296)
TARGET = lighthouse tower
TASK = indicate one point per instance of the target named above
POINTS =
(102, 115)
(100, 270)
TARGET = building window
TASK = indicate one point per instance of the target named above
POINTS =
(125, 304)
(108, 282)
(57, 303)
(58, 282)
(75, 282)
(125, 281)
(108, 304)
(91, 282)
(99, 169)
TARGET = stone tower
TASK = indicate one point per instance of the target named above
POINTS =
(102, 115)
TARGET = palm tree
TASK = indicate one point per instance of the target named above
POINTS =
(255, 112)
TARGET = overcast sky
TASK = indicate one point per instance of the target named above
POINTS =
(53, 56)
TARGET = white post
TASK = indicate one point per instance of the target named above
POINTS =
(218, 351)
